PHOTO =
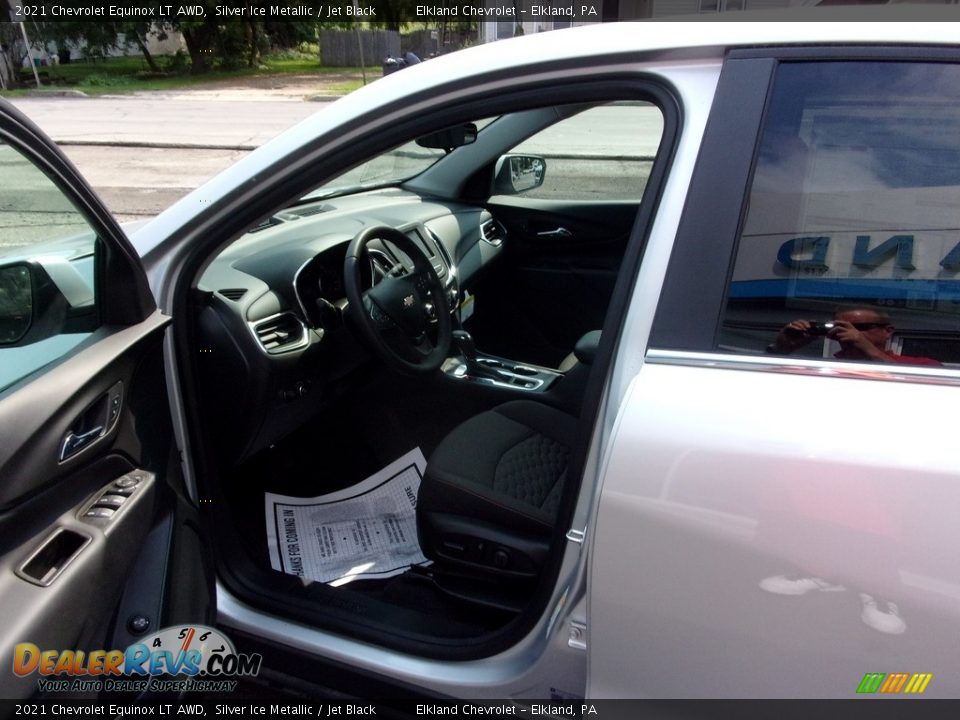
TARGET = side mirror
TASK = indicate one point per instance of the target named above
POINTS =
(515, 174)
(16, 302)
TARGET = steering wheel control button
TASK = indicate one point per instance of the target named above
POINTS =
(378, 316)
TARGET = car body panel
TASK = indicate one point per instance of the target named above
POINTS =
(762, 503)
(720, 478)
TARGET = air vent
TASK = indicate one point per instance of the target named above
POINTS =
(281, 333)
(268, 223)
(492, 232)
(382, 265)
(233, 293)
(295, 213)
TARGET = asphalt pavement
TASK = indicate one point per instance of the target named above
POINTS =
(166, 120)
(144, 151)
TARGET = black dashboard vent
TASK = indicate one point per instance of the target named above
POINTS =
(281, 333)
(381, 265)
(492, 232)
(233, 293)
(268, 223)
(303, 212)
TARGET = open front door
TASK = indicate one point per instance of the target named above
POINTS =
(99, 544)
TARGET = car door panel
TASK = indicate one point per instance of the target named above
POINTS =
(63, 569)
(39, 423)
(560, 264)
(89, 470)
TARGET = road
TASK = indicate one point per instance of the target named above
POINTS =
(166, 119)
(142, 152)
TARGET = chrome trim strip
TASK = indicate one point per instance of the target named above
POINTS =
(483, 236)
(296, 282)
(451, 285)
(796, 366)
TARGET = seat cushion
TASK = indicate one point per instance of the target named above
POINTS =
(505, 467)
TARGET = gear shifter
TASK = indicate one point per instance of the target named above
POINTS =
(464, 341)
(465, 345)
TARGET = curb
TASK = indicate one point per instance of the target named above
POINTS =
(157, 145)
(36, 92)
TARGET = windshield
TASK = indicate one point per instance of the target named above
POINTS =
(393, 166)
(389, 168)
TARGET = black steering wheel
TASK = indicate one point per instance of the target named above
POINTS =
(404, 318)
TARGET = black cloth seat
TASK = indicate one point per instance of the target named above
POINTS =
(491, 491)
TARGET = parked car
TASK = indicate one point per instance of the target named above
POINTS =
(588, 275)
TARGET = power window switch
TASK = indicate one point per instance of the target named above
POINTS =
(111, 501)
(99, 512)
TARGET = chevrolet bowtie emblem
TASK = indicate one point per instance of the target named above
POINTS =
(408, 301)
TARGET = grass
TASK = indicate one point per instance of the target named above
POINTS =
(132, 74)
(345, 88)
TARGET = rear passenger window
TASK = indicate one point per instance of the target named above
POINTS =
(850, 247)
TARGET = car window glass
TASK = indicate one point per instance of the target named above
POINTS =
(603, 153)
(849, 249)
(47, 294)
(394, 166)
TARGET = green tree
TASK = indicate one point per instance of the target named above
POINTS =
(212, 42)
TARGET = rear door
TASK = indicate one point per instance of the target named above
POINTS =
(779, 508)
(95, 524)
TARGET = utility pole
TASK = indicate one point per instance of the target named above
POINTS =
(26, 41)
(356, 26)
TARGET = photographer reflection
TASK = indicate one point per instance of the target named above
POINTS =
(863, 333)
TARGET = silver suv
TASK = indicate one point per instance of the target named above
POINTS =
(560, 367)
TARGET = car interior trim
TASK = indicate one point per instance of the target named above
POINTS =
(802, 366)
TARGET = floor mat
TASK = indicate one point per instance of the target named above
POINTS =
(366, 531)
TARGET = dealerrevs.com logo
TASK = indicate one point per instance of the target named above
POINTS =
(180, 659)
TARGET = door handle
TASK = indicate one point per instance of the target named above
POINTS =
(74, 443)
(96, 421)
(560, 232)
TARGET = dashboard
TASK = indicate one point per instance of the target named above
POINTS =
(274, 315)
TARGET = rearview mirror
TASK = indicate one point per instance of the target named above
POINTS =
(450, 138)
(16, 302)
(518, 173)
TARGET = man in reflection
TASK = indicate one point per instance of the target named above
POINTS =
(863, 334)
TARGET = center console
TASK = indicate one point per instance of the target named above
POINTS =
(489, 370)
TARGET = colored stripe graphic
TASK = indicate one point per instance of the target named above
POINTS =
(894, 683)
(870, 683)
(918, 683)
